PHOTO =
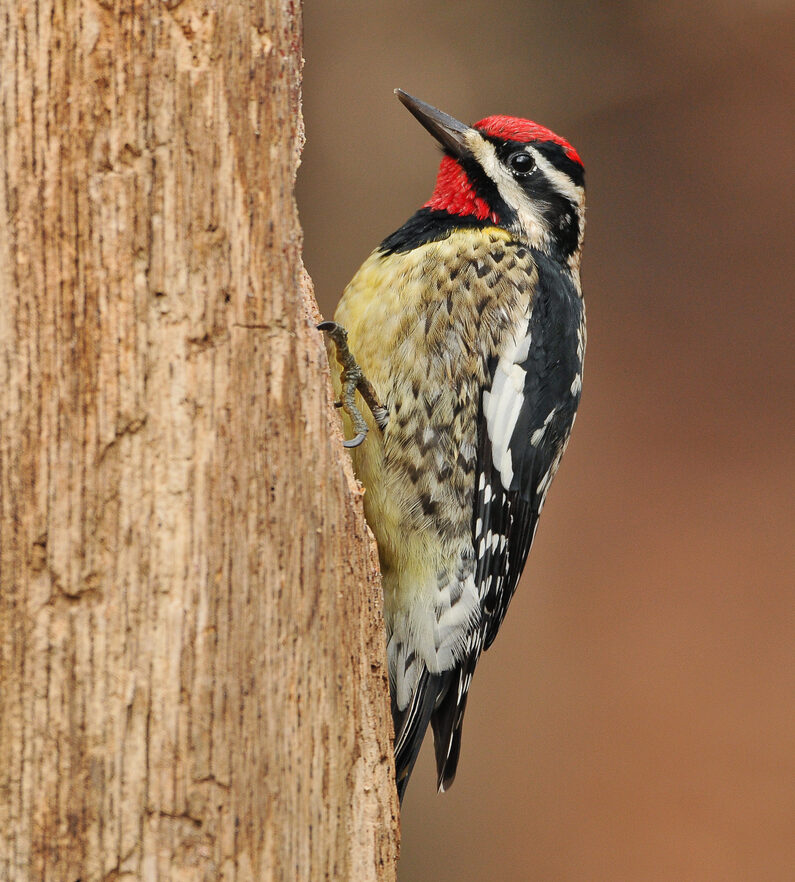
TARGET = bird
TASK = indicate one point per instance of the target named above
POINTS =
(459, 360)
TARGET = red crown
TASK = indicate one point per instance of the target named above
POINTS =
(513, 129)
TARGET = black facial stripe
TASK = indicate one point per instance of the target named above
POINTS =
(551, 151)
(557, 157)
(563, 223)
(487, 190)
(559, 212)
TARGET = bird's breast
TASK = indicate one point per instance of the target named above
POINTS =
(424, 325)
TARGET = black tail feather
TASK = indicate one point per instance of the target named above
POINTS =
(411, 725)
(447, 722)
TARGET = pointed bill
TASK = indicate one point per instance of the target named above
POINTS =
(447, 130)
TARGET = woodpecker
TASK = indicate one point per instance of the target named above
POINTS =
(469, 324)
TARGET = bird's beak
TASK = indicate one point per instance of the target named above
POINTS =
(447, 130)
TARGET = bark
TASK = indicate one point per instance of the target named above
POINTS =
(192, 664)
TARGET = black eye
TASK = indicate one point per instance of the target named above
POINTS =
(521, 163)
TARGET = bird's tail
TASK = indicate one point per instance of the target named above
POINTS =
(411, 724)
(446, 719)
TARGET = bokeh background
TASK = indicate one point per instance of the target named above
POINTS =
(635, 719)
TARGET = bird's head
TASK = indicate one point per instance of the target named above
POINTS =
(511, 172)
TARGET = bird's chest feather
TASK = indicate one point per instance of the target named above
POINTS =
(424, 325)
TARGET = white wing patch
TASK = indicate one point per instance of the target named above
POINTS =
(502, 404)
(576, 383)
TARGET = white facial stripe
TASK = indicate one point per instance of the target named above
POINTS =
(559, 180)
(530, 218)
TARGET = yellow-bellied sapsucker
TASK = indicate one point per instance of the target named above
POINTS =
(469, 323)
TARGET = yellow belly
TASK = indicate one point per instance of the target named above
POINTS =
(422, 325)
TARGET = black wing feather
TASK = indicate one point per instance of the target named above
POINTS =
(551, 365)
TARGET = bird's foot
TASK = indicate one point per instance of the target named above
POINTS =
(353, 380)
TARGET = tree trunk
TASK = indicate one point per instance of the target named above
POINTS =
(191, 645)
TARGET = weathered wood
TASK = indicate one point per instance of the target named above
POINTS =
(192, 681)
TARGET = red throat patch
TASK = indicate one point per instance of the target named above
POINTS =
(455, 194)
(523, 130)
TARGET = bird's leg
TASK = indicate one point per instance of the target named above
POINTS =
(353, 380)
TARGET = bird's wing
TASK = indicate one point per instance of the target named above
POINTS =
(525, 419)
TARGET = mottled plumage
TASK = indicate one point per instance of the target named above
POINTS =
(471, 330)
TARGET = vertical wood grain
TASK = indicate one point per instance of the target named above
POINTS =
(192, 673)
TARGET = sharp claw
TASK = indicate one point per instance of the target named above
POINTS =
(353, 380)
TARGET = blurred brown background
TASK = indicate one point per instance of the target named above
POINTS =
(635, 720)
